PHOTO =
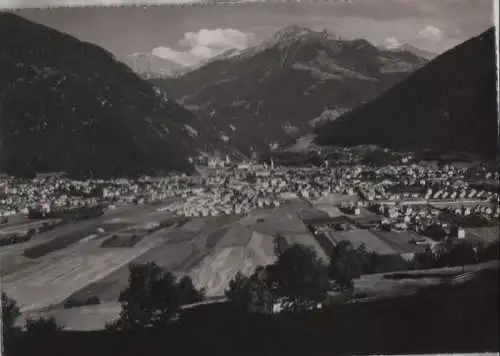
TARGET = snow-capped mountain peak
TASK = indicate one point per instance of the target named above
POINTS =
(149, 65)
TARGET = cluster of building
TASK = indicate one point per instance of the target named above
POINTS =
(56, 192)
(404, 196)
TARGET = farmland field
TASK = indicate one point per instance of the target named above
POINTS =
(399, 241)
(236, 235)
(371, 242)
(171, 255)
(214, 237)
(331, 211)
(51, 281)
(122, 240)
(486, 234)
(263, 248)
(224, 220)
(324, 241)
(216, 270)
(66, 240)
(307, 239)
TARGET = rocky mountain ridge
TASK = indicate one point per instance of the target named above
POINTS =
(268, 94)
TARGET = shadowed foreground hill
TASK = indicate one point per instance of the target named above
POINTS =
(445, 318)
(448, 105)
(68, 105)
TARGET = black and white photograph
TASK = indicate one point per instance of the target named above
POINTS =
(249, 178)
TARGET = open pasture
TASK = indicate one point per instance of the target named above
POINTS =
(213, 238)
(399, 241)
(288, 224)
(313, 213)
(235, 235)
(194, 224)
(484, 234)
(278, 221)
(361, 236)
(307, 239)
(325, 242)
(237, 251)
(376, 285)
(215, 271)
(330, 210)
(263, 247)
(23, 228)
(224, 220)
(255, 216)
(176, 253)
(123, 240)
(85, 318)
(51, 281)
(64, 240)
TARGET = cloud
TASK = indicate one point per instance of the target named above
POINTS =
(431, 33)
(391, 43)
(205, 44)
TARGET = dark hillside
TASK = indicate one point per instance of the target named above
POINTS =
(442, 319)
(448, 105)
(68, 105)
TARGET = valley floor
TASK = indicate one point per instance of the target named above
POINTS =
(211, 250)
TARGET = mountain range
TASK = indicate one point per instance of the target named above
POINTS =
(151, 66)
(264, 96)
(406, 47)
(70, 106)
(448, 105)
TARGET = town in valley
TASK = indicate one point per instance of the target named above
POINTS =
(312, 177)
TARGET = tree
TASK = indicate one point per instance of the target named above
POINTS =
(462, 254)
(489, 252)
(298, 279)
(10, 312)
(426, 259)
(345, 265)
(459, 253)
(42, 326)
(369, 259)
(188, 294)
(243, 292)
(150, 299)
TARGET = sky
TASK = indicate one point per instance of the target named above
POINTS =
(188, 34)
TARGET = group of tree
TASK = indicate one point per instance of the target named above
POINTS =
(153, 298)
(348, 263)
(299, 280)
(453, 252)
(74, 302)
(11, 332)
